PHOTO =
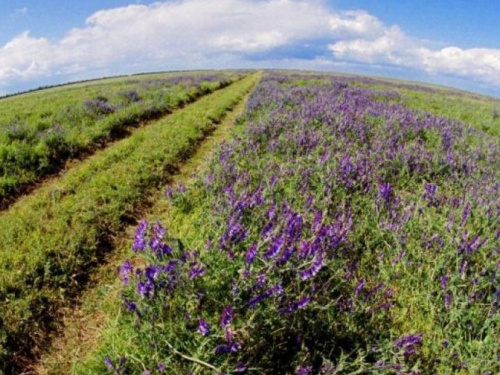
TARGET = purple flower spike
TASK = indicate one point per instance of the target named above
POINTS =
(447, 301)
(303, 303)
(303, 370)
(465, 215)
(125, 271)
(386, 191)
(314, 269)
(109, 363)
(140, 237)
(444, 281)
(159, 231)
(359, 287)
(230, 348)
(463, 267)
(275, 248)
(227, 316)
(430, 191)
(203, 327)
(196, 270)
(240, 368)
(145, 288)
(251, 253)
(408, 343)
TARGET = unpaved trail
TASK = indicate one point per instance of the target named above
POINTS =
(100, 303)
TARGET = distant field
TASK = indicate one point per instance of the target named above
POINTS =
(39, 131)
(480, 111)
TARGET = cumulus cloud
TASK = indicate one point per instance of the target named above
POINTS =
(186, 34)
(185, 30)
(391, 46)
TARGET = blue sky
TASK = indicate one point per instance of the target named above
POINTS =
(455, 43)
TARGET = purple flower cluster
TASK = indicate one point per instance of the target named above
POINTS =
(408, 344)
(322, 221)
(98, 107)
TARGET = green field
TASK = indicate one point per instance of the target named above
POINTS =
(257, 222)
(40, 131)
(50, 240)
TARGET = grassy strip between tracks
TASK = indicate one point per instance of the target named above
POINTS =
(49, 243)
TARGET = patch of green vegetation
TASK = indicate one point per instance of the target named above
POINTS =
(481, 111)
(51, 240)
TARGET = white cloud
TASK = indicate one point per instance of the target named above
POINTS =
(163, 32)
(356, 23)
(185, 34)
(394, 47)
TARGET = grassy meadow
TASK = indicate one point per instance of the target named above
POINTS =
(334, 225)
(39, 131)
(51, 239)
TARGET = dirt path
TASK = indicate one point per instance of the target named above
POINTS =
(101, 303)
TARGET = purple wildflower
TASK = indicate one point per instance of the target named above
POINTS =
(251, 253)
(132, 307)
(196, 270)
(360, 286)
(408, 343)
(145, 288)
(109, 363)
(139, 238)
(267, 229)
(447, 301)
(226, 317)
(303, 302)
(303, 370)
(275, 248)
(203, 327)
(463, 267)
(159, 231)
(314, 269)
(240, 368)
(386, 191)
(276, 290)
(294, 227)
(444, 281)
(232, 347)
(126, 270)
(169, 192)
(430, 191)
(285, 257)
(318, 220)
(465, 214)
